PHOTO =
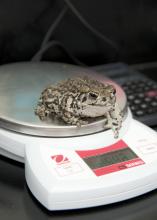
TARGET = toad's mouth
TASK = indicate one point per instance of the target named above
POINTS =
(95, 110)
(102, 105)
(108, 102)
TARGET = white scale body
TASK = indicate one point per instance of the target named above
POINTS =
(86, 170)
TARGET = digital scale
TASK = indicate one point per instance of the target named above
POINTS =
(67, 167)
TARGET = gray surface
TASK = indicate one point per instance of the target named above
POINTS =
(20, 87)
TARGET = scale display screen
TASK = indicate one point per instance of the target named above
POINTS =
(110, 159)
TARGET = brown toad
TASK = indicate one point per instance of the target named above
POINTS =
(75, 100)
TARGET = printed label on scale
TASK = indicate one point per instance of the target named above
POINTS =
(110, 159)
(64, 166)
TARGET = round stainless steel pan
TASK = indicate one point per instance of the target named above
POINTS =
(20, 87)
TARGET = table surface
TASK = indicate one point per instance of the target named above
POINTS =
(17, 202)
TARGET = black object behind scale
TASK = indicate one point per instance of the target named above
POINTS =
(141, 91)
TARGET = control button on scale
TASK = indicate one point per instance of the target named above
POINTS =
(149, 148)
(68, 169)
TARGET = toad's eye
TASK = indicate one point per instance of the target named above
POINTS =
(93, 96)
(84, 99)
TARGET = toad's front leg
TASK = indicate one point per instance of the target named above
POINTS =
(116, 115)
(69, 118)
(114, 120)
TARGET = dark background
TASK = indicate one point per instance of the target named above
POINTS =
(131, 24)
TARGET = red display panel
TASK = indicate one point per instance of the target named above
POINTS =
(110, 159)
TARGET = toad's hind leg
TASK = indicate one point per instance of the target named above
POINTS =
(42, 111)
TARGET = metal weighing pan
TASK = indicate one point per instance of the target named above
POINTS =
(20, 87)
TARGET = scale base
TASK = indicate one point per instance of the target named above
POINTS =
(68, 183)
